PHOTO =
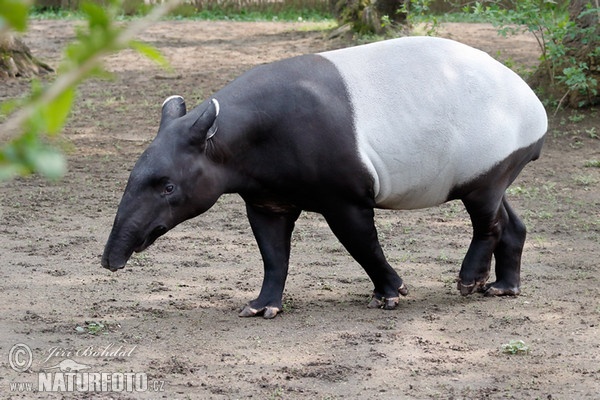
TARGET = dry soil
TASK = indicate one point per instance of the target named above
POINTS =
(172, 312)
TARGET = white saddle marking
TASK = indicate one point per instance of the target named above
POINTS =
(432, 113)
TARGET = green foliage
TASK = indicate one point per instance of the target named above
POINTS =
(351, 12)
(288, 305)
(250, 15)
(419, 14)
(592, 164)
(549, 22)
(13, 15)
(93, 327)
(54, 13)
(38, 118)
(576, 78)
(254, 10)
(371, 19)
(515, 347)
(214, 10)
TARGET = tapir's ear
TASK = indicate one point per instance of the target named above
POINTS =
(173, 107)
(206, 126)
(213, 129)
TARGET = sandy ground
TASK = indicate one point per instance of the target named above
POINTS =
(171, 316)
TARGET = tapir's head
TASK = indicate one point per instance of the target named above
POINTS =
(172, 181)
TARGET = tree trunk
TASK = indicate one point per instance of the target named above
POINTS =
(16, 59)
(581, 51)
(367, 16)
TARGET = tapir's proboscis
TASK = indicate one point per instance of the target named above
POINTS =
(400, 124)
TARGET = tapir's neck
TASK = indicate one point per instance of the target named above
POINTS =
(230, 164)
(236, 147)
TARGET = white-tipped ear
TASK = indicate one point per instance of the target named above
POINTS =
(171, 98)
(214, 127)
(217, 106)
(173, 107)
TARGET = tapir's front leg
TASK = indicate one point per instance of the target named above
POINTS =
(273, 231)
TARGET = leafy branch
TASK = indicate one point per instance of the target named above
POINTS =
(42, 115)
(555, 30)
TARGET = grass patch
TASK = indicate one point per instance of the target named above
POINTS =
(585, 180)
(288, 305)
(592, 164)
(460, 17)
(515, 347)
(45, 13)
(249, 15)
(212, 10)
(93, 327)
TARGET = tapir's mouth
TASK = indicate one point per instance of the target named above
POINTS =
(116, 253)
(151, 238)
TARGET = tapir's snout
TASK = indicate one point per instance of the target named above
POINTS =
(112, 266)
(111, 269)
(115, 255)
(118, 249)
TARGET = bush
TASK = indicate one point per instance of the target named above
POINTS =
(568, 36)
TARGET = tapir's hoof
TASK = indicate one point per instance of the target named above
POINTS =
(471, 288)
(385, 303)
(266, 312)
(388, 303)
(497, 289)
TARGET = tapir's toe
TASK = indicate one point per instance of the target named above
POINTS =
(266, 312)
(489, 289)
(388, 303)
(403, 290)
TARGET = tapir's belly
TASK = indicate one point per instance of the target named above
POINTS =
(431, 114)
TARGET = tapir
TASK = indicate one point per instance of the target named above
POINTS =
(400, 124)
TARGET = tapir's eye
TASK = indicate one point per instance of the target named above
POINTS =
(169, 188)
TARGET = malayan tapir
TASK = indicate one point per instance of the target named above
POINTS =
(400, 124)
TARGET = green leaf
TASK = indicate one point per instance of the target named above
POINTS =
(14, 14)
(97, 16)
(46, 161)
(8, 171)
(151, 53)
(56, 113)
(515, 347)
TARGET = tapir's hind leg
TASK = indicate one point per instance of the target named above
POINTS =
(355, 228)
(508, 255)
(484, 208)
(497, 230)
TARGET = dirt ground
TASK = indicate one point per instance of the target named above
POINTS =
(172, 312)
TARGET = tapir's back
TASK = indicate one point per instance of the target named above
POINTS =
(431, 114)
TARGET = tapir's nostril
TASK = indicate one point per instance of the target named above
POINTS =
(106, 264)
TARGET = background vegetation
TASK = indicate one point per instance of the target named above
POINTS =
(568, 33)
(212, 9)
